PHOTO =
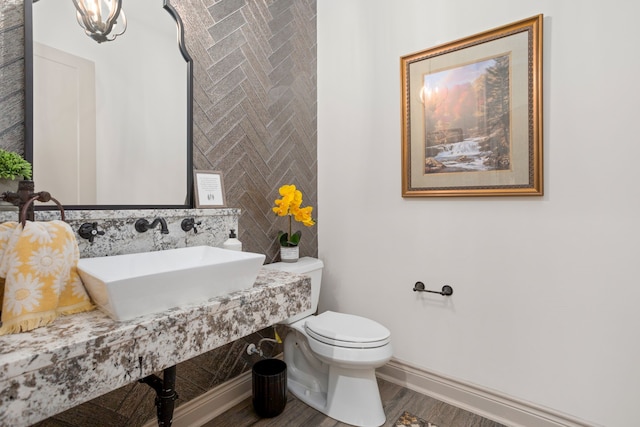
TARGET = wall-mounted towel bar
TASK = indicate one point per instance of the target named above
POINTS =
(42, 196)
(24, 198)
(446, 289)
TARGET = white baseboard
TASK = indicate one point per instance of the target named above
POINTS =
(484, 402)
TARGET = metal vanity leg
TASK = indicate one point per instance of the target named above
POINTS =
(165, 394)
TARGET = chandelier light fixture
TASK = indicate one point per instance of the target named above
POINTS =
(102, 20)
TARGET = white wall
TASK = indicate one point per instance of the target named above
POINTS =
(546, 289)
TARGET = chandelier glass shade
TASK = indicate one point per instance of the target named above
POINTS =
(102, 20)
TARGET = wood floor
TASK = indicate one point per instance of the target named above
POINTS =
(395, 399)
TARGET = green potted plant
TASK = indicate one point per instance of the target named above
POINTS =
(13, 168)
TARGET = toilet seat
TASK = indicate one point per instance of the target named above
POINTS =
(347, 330)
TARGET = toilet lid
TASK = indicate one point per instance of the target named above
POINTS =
(347, 330)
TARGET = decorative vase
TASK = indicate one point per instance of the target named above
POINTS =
(289, 254)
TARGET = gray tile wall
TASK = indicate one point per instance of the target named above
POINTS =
(255, 106)
(254, 120)
(12, 75)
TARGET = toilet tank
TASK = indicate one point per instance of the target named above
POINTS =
(308, 266)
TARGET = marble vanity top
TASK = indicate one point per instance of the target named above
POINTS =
(82, 356)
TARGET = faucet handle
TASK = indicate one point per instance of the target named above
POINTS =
(142, 225)
(188, 224)
(89, 231)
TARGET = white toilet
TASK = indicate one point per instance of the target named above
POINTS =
(331, 358)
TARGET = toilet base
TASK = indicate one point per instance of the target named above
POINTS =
(337, 381)
(356, 401)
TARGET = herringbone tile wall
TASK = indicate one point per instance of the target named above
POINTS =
(12, 75)
(255, 106)
(254, 120)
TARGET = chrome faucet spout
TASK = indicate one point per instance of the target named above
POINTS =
(143, 225)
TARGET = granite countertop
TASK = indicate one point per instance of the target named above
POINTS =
(85, 355)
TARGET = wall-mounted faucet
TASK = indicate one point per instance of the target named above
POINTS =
(189, 224)
(89, 231)
(143, 225)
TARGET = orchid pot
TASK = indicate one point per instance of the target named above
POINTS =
(290, 205)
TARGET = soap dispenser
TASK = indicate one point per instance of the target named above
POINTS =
(232, 242)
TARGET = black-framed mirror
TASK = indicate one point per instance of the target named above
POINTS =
(139, 190)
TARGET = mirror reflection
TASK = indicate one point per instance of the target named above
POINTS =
(110, 119)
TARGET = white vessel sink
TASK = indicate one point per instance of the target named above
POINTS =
(128, 286)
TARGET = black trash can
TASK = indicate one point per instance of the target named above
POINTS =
(269, 386)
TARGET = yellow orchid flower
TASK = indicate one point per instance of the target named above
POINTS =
(303, 215)
(287, 189)
(290, 205)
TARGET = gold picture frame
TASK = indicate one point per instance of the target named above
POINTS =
(209, 189)
(472, 115)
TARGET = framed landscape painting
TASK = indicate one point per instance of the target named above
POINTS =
(472, 115)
